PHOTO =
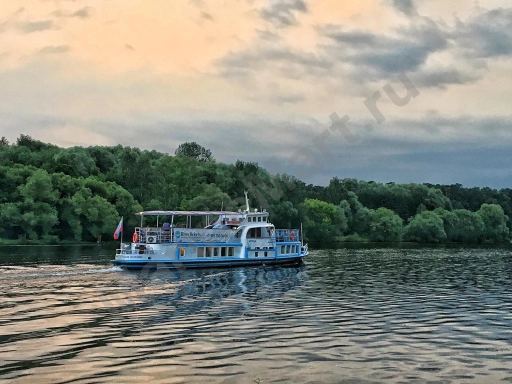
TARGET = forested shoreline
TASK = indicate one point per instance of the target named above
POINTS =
(50, 194)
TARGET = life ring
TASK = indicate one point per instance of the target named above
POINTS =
(292, 236)
(135, 237)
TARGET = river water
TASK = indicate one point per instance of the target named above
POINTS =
(360, 315)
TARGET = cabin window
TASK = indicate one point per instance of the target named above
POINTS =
(231, 251)
(259, 218)
(200, 251)
(265, 254)
(288, 249)
(215, 252)
(282, 249)
(208, 251)
(255, 254)
(223, 252)
(182, 251)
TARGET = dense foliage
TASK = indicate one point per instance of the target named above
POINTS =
(51, 194)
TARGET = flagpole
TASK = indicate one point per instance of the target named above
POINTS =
(122, 230)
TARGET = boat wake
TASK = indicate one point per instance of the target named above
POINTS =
(9, 272)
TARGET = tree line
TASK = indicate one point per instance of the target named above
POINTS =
(51, 194)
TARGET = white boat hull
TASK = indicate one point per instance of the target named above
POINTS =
(178, 256)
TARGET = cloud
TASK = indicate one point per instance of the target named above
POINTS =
(4, 25)
(283, 13)
(432, 52)
(293, 62)
(83, 13)
(54, 49)
(405, 6)
(206, 16)
(442, 77)
(382, 56)
(467, 46)
(202, 7)
(283, 99)
(472, 151)
(35, 26)
(416, 163)
(487, 35)
(197, 3)
(27, 27)
(343, 55)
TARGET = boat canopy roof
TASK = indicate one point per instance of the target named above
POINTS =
(186, 213)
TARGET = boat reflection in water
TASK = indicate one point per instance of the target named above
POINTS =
(189, 291)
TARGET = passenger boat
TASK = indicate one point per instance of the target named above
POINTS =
(225, 239)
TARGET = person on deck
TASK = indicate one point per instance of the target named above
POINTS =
(166, 226)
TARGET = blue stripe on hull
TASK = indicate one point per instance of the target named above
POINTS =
(207, 264)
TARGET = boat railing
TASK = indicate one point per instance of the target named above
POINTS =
(155, 235)
(139, 251)
(283, 235)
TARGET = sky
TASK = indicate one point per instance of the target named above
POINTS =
(384, 90)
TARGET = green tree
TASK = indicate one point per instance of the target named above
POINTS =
(436, 199)
(495, 222)
(37, 206)
(209, 198)
(358, 216)
(195, 151)
(323, 221)
(11, 220)
(284, 215)
(39, 187)
(90, 217)
(461, 225)
(425, 227)
(385, 225)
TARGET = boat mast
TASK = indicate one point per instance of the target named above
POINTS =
(246, 202)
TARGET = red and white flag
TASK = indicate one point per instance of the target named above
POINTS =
(118, 230)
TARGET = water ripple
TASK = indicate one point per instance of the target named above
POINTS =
(352, 315)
